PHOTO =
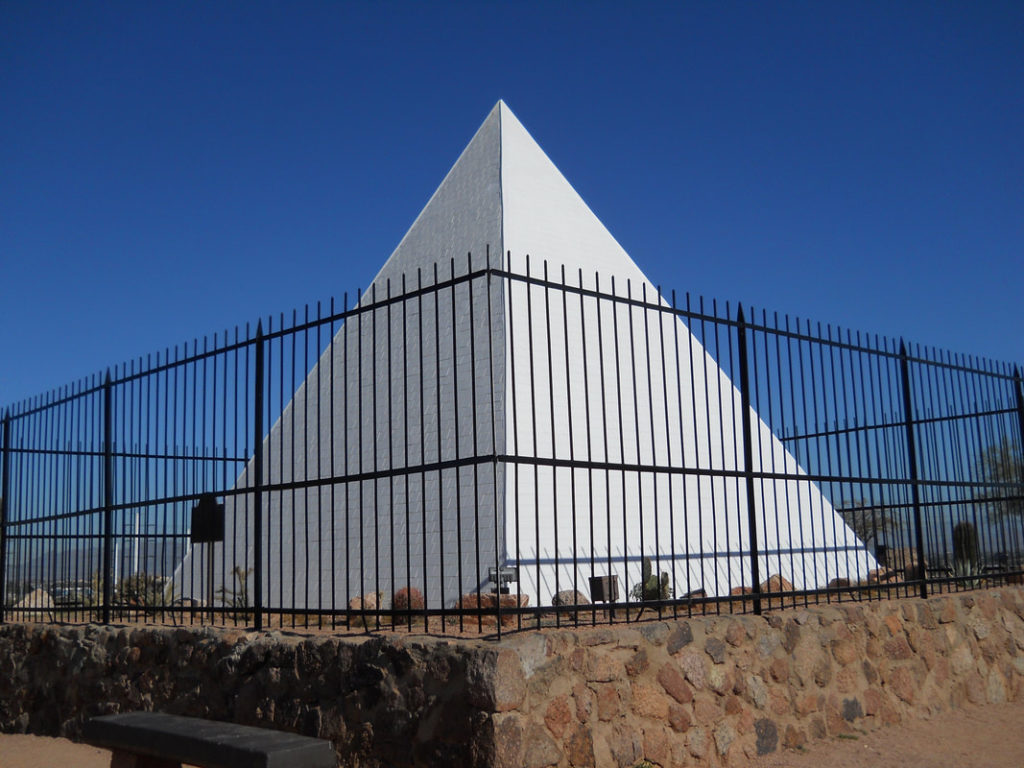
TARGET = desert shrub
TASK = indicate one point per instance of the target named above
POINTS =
(141, 590)
(237, 599)
(407, 599)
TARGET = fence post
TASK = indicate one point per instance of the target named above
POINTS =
(1020, 427)
(5, 481)
(257, 460)
(1019, 388)
(748, 456)
(908, 411)
(108, 498)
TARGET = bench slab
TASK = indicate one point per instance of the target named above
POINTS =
(176, 739)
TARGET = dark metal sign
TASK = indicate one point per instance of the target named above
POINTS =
(207, 520)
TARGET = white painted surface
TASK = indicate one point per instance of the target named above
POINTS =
(596, 368)
(549, 369)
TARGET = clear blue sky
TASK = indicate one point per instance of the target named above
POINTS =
(172, 169)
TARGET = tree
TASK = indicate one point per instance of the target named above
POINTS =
(869, 522)
(1002, 464)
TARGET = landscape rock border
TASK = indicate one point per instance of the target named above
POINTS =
(720, 690)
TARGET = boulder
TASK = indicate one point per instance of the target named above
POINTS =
(881, 575)
(487, 603)
(904, 560)
(371, 601)
(570, 597)
(776, 583)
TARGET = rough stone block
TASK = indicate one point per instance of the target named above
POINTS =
(715, 648)
(638, 663)
(719, 679)
(626, 745)
(767, 736)
(601, 667)
(649, 701)
(538, 748)
(845, 651)
(852, 710)
(584, 699)
(656, 746)
(901, 682)
(656, 634)
(675, 686)
(894, 625)
(898, 649)
(579, 748)
(557, 716)
(697, 742)
(794, 738)
(779, 670)
(679, 638)
(694, 667)
(725, 735)
(678, 718)
(609, 702)
(736, 633)
(506, 684)
(757, 691)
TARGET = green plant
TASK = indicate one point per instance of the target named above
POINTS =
(92, 594)
(650, 586)
(966, 557)
(1002, 465)
(965, 545)
(141, 590)
(968, 571)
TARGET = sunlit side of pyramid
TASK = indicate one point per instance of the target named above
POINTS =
(476, 422)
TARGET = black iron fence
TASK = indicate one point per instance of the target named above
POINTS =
(494, 445)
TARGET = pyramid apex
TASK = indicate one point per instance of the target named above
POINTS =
(500, 109)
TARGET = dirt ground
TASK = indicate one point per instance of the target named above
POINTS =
(976, 737)
(991, 736)
(21, 751)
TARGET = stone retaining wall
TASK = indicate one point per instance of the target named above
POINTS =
(713, 691)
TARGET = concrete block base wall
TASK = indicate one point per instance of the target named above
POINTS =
(708, 691)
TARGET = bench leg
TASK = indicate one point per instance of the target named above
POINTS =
(122, 759)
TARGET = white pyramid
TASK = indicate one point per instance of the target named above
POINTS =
(572, 418)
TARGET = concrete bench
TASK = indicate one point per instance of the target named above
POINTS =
(156, 740)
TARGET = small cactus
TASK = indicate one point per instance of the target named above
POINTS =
(651, 587)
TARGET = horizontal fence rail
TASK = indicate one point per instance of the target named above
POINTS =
(494, 444)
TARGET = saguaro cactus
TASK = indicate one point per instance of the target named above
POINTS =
(965, 544)
(965, 553)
